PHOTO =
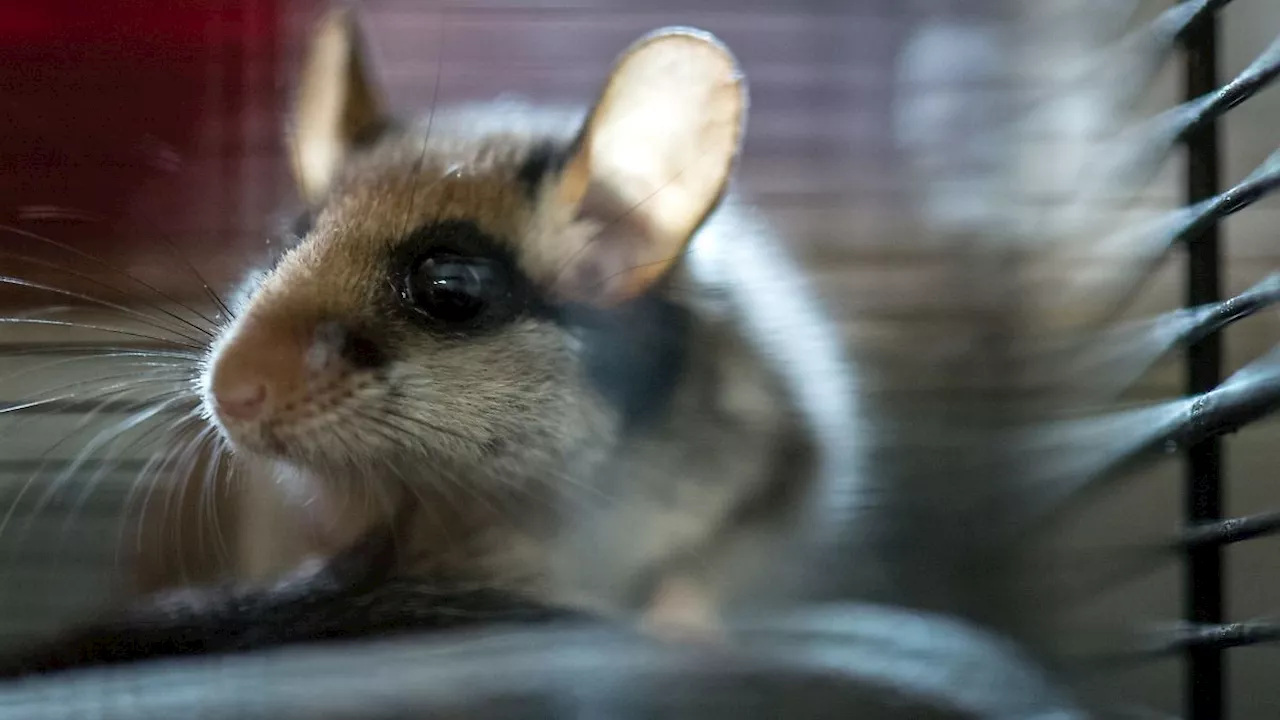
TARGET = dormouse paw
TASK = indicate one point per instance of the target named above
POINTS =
(683, 611)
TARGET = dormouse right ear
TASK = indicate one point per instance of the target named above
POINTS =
(337, 104)
(651, 162)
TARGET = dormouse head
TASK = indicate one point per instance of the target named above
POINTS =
(477, 299)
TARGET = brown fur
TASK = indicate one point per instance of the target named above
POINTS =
(521, 470)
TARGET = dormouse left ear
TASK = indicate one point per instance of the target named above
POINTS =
(651, 162)
(338, 103)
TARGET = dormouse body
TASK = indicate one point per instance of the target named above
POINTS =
(552, 335)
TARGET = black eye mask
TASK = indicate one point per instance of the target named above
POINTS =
(633, 354)
(452, 278)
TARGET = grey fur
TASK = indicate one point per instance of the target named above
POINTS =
(560, 495)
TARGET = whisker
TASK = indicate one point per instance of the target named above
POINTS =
(150, 475)
(124, 360)
(605, 280)
(45, 310)
(401, 436)
(398, 436)
(353, 459)
(84, 420)
(204, 284)
(151, 409)
(108, 393)
(134, 381)
(146, 319)
(348, 461)
(93, 352)
(426, 136)
(154, 471)
(600, 233)
(142, 357)
(180, 482)
(99, 261)
(100, 328)
(414, 177)
(413, 489)
(102, 472)
(390, 410)
(208, 497)
(106, 437)
(88, 278)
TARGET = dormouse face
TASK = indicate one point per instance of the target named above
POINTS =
(477, 302)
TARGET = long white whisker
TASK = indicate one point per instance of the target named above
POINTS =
(108, 465)
(100, 328)
(209, 496)
(90, 279)
(178, 370)
(146, 319)
(154, 470)
(99, 441)
(187, 478)
(99, 350)
(108, 393)
(26, 487)
(93, 258)
(27, 370)
(121, 388)
(182, 473)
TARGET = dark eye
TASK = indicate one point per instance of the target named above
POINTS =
(456, 289)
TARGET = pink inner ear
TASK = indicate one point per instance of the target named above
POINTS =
(607, 270)
(600, 276)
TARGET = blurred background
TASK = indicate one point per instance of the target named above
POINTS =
(138, 131)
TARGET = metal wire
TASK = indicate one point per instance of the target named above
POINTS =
(1205, 637)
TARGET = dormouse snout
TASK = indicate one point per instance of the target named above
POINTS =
(268, 372)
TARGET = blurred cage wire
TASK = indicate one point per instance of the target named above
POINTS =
(821, 155)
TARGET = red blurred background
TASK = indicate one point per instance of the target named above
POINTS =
(116, 116)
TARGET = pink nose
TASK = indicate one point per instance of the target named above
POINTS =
(243, 399)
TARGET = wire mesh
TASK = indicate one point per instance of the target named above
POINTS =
(1207, 637)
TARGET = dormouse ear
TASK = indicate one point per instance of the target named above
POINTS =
(336, 106)
(651, 162)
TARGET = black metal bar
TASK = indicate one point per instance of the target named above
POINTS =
(1186, 637)
(1216, 317)
(1131, 565)
(1215, 637)
(1232, 530)
(1205, 664)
